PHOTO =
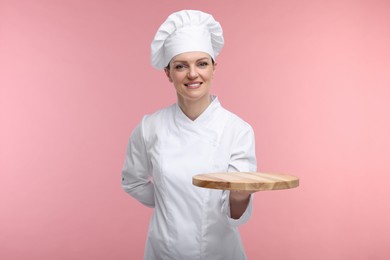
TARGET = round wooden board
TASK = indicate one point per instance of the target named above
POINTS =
(248, 181)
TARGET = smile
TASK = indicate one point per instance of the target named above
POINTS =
(193, 85)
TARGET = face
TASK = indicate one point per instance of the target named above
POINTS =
(191, 73)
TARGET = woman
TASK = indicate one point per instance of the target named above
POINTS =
(196, 135)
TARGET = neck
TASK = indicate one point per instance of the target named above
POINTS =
(194, 108)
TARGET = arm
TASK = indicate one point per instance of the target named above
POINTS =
(136, 173)
(238, 204)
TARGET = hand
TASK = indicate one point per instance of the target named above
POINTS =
(240, 195)
(239, 200)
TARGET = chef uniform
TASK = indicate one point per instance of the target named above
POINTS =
(167, 148)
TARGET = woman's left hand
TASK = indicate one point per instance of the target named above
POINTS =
(239, 200)
(240, 195)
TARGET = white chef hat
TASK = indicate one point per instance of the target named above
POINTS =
(185, 31)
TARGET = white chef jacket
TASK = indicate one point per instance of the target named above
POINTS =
(164, 151)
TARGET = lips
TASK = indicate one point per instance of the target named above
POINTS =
(193, 84)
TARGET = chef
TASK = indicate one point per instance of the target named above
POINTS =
(194, 135)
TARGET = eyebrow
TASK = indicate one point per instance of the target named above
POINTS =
(183, 61)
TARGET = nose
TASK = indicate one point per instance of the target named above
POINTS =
(192, 73)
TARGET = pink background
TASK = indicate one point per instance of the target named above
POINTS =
(312, 77)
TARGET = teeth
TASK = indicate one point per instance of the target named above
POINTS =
(193, 85)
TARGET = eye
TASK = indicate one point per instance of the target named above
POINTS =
(180, 67)
(203, 64)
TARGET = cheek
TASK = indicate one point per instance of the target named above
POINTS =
(176, 78)
(174, 81)
(210, 73)
(209, 76)
(177, 84)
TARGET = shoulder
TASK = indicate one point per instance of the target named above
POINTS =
(158, 116)
(236, 123)
(156, 121)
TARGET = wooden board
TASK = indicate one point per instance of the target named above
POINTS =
(248, 181)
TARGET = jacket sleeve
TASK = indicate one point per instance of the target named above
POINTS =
(136, 172)
(243, 159)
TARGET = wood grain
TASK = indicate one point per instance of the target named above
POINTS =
(248, 181)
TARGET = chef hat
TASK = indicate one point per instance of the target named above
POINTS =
(186, 31)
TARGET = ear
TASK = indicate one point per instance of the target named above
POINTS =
(214, 68)
(166, 70)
